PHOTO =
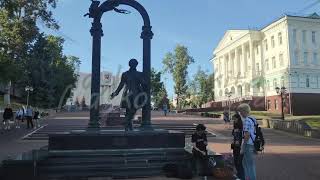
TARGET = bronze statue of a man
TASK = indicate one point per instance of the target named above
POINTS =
(134, 95)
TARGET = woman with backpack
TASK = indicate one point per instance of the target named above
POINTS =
(236, 145)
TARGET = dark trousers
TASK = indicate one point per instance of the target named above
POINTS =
(29, 122)
(237, 157)
(200, 163)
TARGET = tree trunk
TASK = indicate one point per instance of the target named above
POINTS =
(6, 96)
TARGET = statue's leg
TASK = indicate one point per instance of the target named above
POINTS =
(128, 119)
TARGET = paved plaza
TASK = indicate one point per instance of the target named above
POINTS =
(287, 156)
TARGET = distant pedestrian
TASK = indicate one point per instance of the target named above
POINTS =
(29, 114)
(226, 116)
(247, 148)
(7, 116)
(165, 109)
(36, 118)
(236, 145)
(199, 150)
(19, 114)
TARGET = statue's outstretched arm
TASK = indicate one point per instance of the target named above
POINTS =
(121, 84)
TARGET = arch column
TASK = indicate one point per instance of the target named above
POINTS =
(147, 35)
(96, 33)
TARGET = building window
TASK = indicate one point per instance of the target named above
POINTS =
(280, 38)
(266, 44)
(315, 58)
(267, 64)
(313, 37)
(257, 49)
(294, 35)
(282, 81)
(308, 81)
(305, 58)
(272, 41)
(269, 105)
(275, 83)
(281, 59)
(268, 85)
(296, 58)
(304, 35)
(274, 63)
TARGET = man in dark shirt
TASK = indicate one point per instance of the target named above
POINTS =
(199, 141)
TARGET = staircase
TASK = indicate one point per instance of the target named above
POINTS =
(109, 163)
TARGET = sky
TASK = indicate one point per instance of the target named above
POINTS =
(197, 24)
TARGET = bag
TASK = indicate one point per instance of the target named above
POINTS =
(211, 163)
(259, 140)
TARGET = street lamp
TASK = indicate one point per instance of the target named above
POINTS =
(229, 94)
(282, 92)
(28, 89)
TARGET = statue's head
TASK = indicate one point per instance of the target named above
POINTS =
(133, 63)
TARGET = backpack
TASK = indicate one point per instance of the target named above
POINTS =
(259, 140)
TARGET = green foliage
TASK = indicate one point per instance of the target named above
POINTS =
(201, 89)
(28, 57)
(49, 72)
(177, 64)
(158, 91)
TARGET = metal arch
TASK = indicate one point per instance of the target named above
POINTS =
(111, 4)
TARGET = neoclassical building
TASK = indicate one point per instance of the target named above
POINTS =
(286, 53)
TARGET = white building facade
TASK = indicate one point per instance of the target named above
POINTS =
(109, 83)
(252, 63)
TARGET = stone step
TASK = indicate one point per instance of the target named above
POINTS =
(100, 171)
(112, 160)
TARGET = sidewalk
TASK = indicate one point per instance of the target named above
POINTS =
(286, 156)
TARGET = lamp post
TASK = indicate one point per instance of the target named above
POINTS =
(229, 94)
(28, 89)
(282, 92)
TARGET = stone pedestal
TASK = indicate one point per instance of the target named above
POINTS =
(117, 139)
(113, 118)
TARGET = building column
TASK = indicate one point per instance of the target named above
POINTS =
(253, 63)
(231, 65)
(244, 60)
(237, 59)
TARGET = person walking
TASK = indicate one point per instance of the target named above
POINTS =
(7, 116)
(226, 116)
(165, 109)
(236, 145)
(247, 147)
(18, 118)
(29, 114)
(36, 118)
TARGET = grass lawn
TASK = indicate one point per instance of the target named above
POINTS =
(312, 120)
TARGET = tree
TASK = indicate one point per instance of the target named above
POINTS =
(51, 73)
(158, 91)
(83, 102)
(177, 64)
(18, 30)
(201, 88)
(77, 103)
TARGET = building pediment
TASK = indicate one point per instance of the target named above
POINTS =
(229, 37)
